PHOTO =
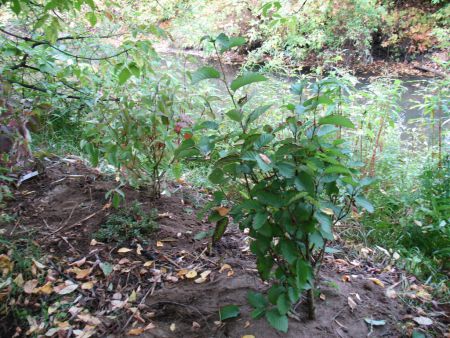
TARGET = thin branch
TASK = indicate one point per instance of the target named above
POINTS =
(43, 90)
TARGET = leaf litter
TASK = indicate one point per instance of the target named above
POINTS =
(170, 282)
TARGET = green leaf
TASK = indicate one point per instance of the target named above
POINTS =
(270, 199)
(363, 203)
(228, 311)
(234, 115)
(286, 169)
(277, 320)
(216, 176)
(334, 169)
(337, 120)
(226, 43)
(258, 313)
(203, 234)
(106, 268)
(283, 304)
(124, 75)
(116, 200)
(254, 115)
(92, 18)
(304, 272)
(259, 220)
(205, 73)
(288, 250)
(16, 7)
(245, 80)
(256, 299)
(221, 226)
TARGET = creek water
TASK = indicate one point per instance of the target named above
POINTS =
(409, 114)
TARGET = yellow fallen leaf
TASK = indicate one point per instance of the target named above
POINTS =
(87, 285)
(191, 274)
(6, 265)
(132, 296)
(136, 331)
(46, 289)
(93, 242)
(148, 263)
(173, 327)
(322, 296)
(377, 282)
(224, 268)
(19, 280)
(159, 244)
(248, 336)
(80, 273)
(124, 250)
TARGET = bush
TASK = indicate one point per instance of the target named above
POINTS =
(295, 181)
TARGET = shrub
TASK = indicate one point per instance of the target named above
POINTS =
(295, 180)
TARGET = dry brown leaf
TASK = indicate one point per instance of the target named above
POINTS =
(351, 303)
(377, 282)
(390, 293)
(136, 331)
(322, 296)
(205, 273)
(139, 249)
(89, 319)
(200, 280)
(68, 289)
(79, 262)
(346, 278)
(149, 326)
(81, 273)
(248, 336)
(223, 211)
(30, 285)
(93, 242)
(195, 325)
(124, 250)
(39, 265)
(159, 244)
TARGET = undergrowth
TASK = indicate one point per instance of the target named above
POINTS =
(128, 224)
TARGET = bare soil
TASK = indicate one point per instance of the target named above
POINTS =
(61, 208)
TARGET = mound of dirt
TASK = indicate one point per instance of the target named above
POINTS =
(151, 289)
